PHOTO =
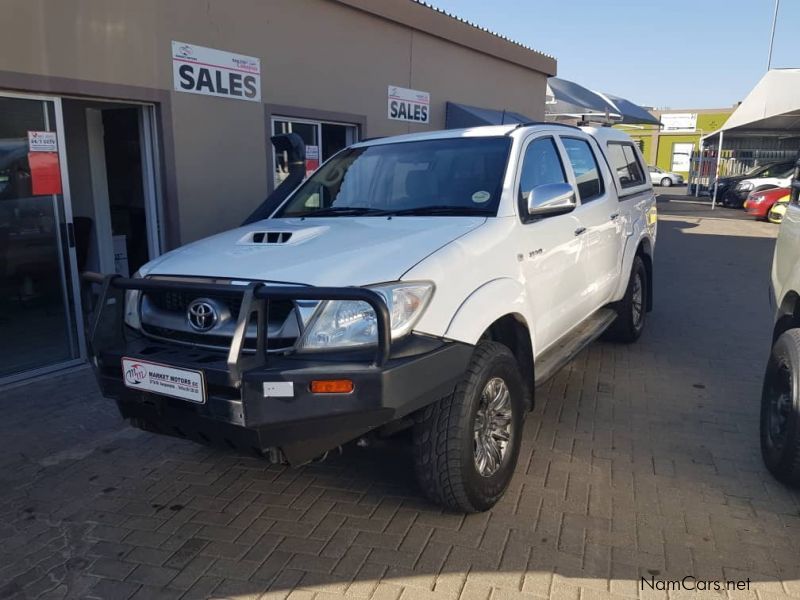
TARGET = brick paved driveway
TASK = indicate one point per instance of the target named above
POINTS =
(638, 461)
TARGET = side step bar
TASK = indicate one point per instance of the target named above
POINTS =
(557, 356)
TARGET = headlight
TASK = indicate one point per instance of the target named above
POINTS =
(757, 199)
(349, 324)
(745, 185)
(132, 298)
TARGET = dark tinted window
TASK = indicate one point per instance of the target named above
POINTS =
(584, 165)
(626, 164)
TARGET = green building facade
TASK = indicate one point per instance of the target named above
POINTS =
(670, 146)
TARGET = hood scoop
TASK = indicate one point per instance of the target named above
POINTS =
(280, 237)
(271, 237)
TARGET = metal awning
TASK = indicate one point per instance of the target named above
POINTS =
(459, 116)
(569, 99)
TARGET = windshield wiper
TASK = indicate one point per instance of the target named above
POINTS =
(352, 211)
(440, 209)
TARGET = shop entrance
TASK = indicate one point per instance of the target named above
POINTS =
(113, 184)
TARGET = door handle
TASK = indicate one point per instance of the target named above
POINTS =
(615, 216)
(580, 230)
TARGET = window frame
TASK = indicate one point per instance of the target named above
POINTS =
(599, 169)
(633, 188)
(522, 212)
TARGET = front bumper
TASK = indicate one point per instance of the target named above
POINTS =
(757, 209)
(387, 386)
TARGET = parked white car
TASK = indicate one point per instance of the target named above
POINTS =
(780, 398)
(664, 178)
(746, 186)
(426, 282)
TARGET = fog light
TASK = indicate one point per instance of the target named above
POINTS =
(332, 386)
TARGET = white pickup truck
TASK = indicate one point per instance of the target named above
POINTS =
(425, 282)
(780, 397)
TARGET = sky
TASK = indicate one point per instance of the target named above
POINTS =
(660, 53)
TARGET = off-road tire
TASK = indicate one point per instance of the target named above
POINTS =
(666, 182)
(626, 328)
(444, 439)
(781, 453)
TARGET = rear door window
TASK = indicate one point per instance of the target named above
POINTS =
(585, 168)
(626, 164)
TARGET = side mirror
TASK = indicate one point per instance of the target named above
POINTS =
(551, 199)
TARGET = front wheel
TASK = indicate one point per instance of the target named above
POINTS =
(466, 445)
(666, 182)
(631, 310)
(780, 409)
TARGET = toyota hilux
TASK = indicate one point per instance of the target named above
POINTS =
(425, 283)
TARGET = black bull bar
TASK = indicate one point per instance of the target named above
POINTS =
(255, 298)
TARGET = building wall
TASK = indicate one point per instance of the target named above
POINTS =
(315, 54)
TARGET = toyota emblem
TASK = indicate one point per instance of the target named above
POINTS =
(202, 314)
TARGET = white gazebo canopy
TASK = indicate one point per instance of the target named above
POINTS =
(773, 106)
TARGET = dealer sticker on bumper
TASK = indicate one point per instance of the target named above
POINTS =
(162, 379)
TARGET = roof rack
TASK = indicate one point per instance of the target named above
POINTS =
(531, 123)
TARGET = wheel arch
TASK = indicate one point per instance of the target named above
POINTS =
(645, 251)
(512, 331)
(497, 311)
(788, 315)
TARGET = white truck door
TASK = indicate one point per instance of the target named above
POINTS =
(549, 248)
(599, 214)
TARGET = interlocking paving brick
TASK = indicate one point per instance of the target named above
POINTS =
(637, 461)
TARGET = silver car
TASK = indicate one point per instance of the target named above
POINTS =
(664, 178)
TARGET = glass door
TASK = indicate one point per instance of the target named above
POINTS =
(39, 323)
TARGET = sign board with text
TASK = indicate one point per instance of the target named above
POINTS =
(409, 105)
(200, 70)
(679, 122)
(42, 141)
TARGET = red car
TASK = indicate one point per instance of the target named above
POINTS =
(758, 204)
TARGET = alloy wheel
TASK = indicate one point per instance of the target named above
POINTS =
(637, 300)
(780, 406)
(492, 429)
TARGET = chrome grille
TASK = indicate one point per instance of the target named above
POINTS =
(163, 316)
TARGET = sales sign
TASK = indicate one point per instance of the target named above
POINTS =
(409, 105)
(199, 70)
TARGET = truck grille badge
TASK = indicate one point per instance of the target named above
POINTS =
(201, 314)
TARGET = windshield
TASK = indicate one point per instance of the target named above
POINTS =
(454, 176)
(769, 170)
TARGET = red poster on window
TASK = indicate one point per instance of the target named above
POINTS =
(45, 173)
(312, 159)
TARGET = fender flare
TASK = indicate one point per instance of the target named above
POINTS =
(485, 305)
(632, 245)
